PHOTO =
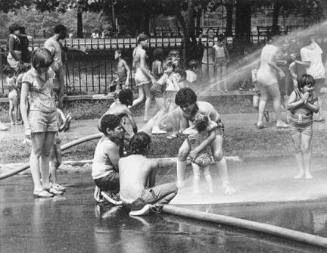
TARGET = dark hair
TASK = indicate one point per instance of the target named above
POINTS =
(221, 37)
(110, 121)
(185, 96)
(158, 54)
(139, 143)
(173, 52)
(168, 64)
(23, 68)
(14, 27)
(41, 58)
(118, 51)
(201, 121)
(142, 37)
(7, 70)
(60, 28)
(125, 96)
(304, 80)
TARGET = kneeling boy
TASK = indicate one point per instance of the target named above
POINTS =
(137, 179)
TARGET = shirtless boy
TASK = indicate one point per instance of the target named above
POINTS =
(186, 99)
(137, 179)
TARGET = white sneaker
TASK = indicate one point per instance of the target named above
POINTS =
(143, 211)
(156, 130)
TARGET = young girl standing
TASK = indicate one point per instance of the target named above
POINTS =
(41, 121)
(302, 105)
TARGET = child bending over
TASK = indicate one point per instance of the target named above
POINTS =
(303, 104)
(196, 135)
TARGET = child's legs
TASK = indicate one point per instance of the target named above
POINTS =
(262, 103)
(218, 155)
(55, 161)
(11, 110)
(207, 176)
(296, 137)
(306, 139)
(37, 140)
(196, 177)
(276, 96)
(224, 75)
(160, 101)
(183, 152)
(45, 157)
(140, 97)
(160, 194)
(147, 93)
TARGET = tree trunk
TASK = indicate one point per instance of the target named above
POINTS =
(79, 23)
(229, 20)
(243, 24)
(275, 27)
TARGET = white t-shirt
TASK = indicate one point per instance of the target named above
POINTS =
(266, 74)
(313, 55)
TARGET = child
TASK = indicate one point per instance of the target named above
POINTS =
(196, 134)
(123, 71)
(137, 175)
(302, 104)
(157, 70)
(41, 121)
(106, 156)
(221, 61)
(296, 69)
(12, 96)
(256, 96)
(114, 83)
(120, 108)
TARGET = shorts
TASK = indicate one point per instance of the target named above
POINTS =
(140, 78)
(13, 96)
(305, 129)
(203, 160)
(43, 121)
(109, 182)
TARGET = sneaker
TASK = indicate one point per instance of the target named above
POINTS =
(143, 211)
(55, 191)
(58, 187)
(42, 194)
(156, 130)
(112, 198)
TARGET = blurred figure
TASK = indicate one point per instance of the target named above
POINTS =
(221, 61)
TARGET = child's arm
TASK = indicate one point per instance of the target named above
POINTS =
(24, 106)
(194, 153)
(131, 119)
(62, 119)
(293, 103)
(128, 72)
(112, 150)
(313, 106)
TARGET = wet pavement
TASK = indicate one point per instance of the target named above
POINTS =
(74, 223)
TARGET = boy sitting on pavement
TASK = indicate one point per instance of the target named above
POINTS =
(137, 179)
(186, 99)
(106, 156)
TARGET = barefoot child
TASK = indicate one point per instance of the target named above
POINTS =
(106, 156)
(137, 179)
(196, 134)
(123, 71)
(303, 104)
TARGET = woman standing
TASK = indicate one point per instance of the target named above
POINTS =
(143, 77)
(41, 121)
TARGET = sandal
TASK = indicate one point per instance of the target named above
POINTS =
(42, 194)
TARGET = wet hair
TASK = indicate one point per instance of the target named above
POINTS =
(14, 27)
(60, 28)
(142, 37)
(41, 58)
(201, 121)
(139, 143)
(185, 96)
(158, 54)
(125, 97)
(110, 121)
(304, 80)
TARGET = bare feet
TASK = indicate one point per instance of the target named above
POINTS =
(299, 175)
(308, 175)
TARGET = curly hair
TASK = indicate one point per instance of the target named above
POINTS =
(185, 96)
(41, 58)
(110, 121)
(125, 97)
(201, 121)
(304, 80)
(139, 143)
